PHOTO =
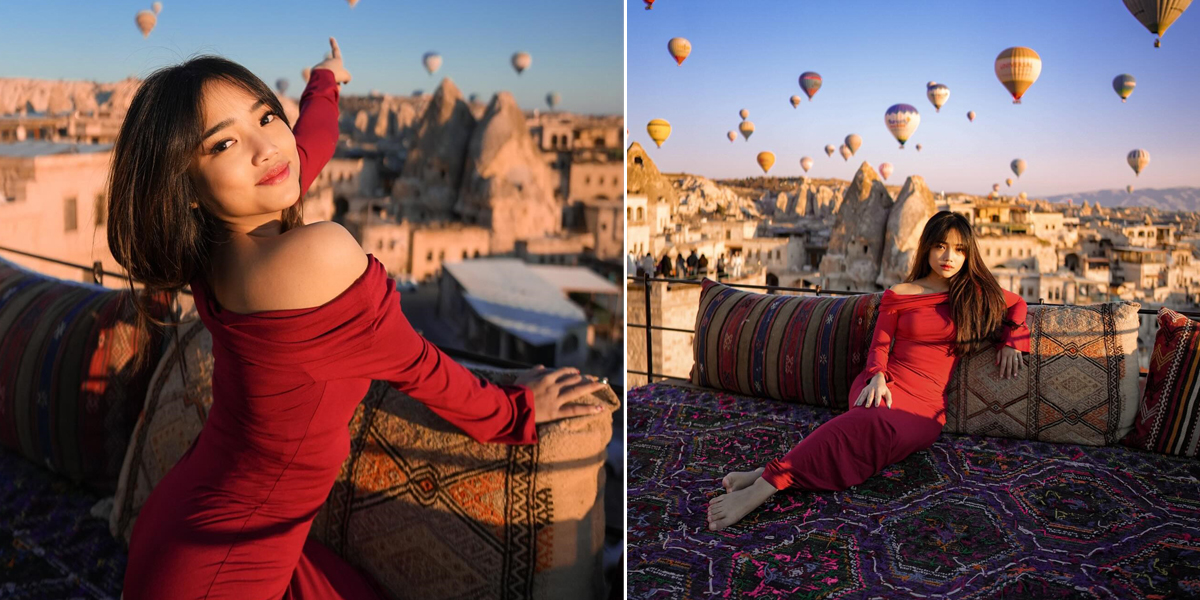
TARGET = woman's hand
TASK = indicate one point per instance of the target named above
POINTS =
(333, 62)
(1009, 359)
(875, 392)
(555, 392)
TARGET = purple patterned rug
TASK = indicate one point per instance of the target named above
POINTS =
(971, 517)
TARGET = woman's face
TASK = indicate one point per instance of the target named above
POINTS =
(947, 256)
(246, 168)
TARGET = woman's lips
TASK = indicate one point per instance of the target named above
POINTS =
(946, 267)
(278, 175)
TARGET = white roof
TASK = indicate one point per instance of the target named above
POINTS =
(510, 295)
(575, 279)
(34, 148)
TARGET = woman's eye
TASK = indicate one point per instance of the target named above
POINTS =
(220, 146)
(267, 118)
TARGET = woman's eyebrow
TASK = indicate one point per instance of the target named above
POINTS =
(228, 122)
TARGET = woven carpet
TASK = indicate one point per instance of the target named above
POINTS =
(971, 517)
(50, 546)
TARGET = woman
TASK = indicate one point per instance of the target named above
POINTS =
(206, 187)
(949, 306)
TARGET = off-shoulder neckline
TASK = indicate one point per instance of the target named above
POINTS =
(915, 295)
(226, 314)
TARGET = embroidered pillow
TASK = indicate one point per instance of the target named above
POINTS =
(1169, 409)
(801, 349)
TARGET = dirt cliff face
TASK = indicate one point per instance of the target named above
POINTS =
(856, 243)
(433, 170)
(906, 221)
(56, 97)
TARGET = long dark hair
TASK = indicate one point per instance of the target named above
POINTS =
(976, 301)
(153, 231)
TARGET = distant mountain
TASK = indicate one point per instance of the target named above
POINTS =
(1179, 198)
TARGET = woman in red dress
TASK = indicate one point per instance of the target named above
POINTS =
(950, 305)
(206, 189)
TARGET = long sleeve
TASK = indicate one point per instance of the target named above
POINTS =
(316, 129)
(1016, 335)
(881, 342)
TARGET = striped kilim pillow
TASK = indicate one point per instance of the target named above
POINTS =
(801, 349)
(68, 395)
(1168, 413)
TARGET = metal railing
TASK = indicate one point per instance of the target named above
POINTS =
(650, 327)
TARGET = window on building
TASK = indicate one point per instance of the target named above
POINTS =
(640, 214)
(441, 255)
(429, 256)
(392, 245)
(588, 179)
(729, 234)
(464, 255)
(101, 210)
(69, 214)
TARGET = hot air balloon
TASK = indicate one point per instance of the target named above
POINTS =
(938, 94)
(1129, 189)
(885, 169)
(156, 7)
(659, 130)
(853, 142)
(746, 128)
(971, 116)
(995, 187)
(1023, 196)
(845, 152)
(732, 135)
(352, 3)
(1157, 15)
(1017, 68)
(902, 120)
(1123, 84)
(281, 84)
(918, 147)
(744, 114)
(829, 149)
(1017, 166)
(649, 4)
(145, 22)
(810, 82)
(521, 61)
(1138, 159)
(806, 163)
(552, 99)
(305, 72)
(796, 100)
(432, 61)
(679, 48)
(765, 160)
(1008, 182)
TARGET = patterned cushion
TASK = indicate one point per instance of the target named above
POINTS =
(799, 349)
(1169, 409)
(1078, 385)
(427, 511)
(69, 396)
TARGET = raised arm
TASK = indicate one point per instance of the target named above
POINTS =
(1014, 329)
(316, 128)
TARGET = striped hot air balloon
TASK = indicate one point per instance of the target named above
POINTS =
(747, 128)
(885, 169)
(1157, 15)
(1123, 84)
(1138, 159)
(1017, 68)
(902, 120)
(659, 130)
(810, 82)
(938, 94)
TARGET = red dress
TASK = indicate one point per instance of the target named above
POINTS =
(857, 444)
(231, 518)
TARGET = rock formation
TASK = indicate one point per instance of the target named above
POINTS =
(506, 184)
(428, 187)
(906, 220)
(56, 97)
(855, 250)
(642, 178)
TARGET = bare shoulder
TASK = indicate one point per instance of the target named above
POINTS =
(311, 265)
(907, 288)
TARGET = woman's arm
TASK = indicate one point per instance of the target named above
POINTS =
(1015, 335)
(881, 342)
(316, 129)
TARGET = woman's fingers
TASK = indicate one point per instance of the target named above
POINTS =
(888, 393)
(337, 51)
(571, 393)
(578, 410)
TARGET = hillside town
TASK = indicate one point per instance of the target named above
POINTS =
(510, 217)
(860, 236)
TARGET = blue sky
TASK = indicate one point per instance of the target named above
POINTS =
(577, 45)
(1071, 127)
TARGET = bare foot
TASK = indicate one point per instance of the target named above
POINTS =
(728, 509)
(740, 479)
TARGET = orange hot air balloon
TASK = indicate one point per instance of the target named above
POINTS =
(732, 135)
(679, 48)
(795, 100)
(659, 130)
(1017, 68)
(971, 116)
(765, 160)
(649, 4)
(145, 22)
(1008, 182)
(744, 114)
